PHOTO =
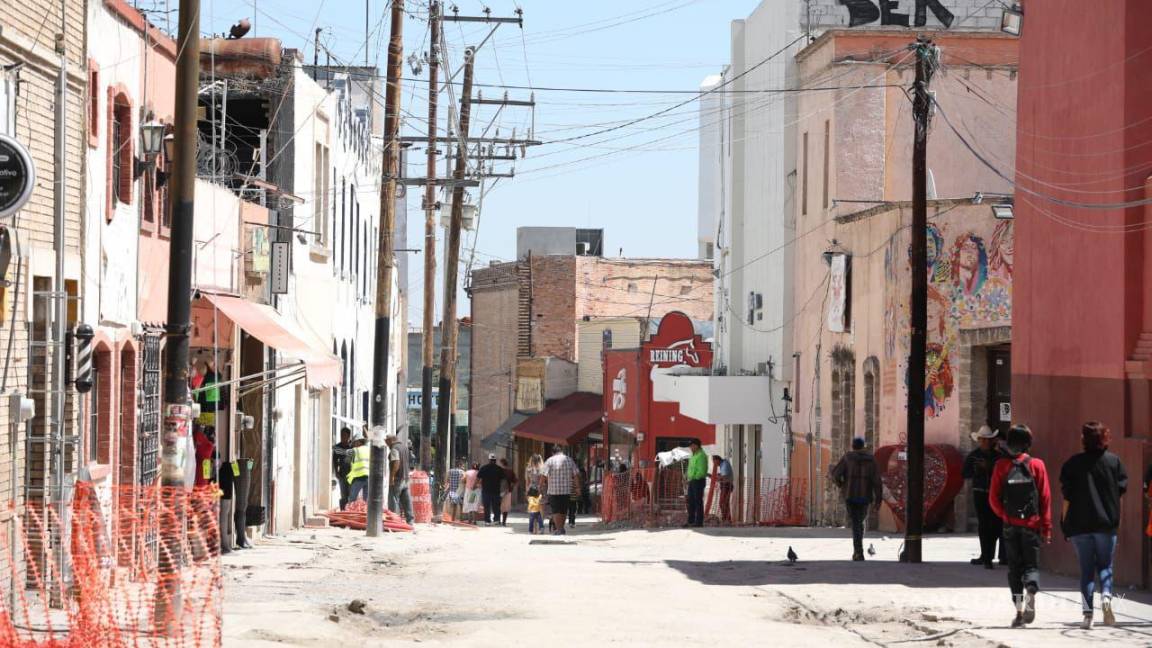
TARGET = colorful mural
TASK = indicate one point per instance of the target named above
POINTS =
(969, 286)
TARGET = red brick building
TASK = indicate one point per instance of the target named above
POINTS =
(531, 309)
(1082, 338)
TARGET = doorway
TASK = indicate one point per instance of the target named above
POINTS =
(1000, 388)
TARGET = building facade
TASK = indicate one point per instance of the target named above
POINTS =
(1080, 349)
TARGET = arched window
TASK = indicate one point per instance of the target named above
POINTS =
(119, 183)
(872, 402)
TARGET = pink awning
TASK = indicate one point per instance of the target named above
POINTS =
(322, 369)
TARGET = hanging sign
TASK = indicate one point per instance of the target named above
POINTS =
(17, 176)
(837, 293)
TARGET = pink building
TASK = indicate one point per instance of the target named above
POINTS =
(852, 274)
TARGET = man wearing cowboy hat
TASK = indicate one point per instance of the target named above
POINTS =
(978, 467)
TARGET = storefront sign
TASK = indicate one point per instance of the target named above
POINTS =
(416, 398)
(17, 176)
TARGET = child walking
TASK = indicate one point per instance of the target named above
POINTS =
(535, 513)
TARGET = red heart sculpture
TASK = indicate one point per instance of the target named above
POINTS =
(943, 465)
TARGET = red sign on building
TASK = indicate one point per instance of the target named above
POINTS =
(628, 387)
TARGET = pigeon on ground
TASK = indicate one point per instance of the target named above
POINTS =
(792, 555)
(871, 550)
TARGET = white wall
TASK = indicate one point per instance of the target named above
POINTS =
(110, 250)
(710, 197)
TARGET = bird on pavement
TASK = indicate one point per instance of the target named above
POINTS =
(871, 550)
(792, 555)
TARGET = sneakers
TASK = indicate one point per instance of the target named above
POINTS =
(1086, 624)
(1018, 622)
(1109, 615)
(1030, 605)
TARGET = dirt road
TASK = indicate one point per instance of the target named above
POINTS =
(496, 587)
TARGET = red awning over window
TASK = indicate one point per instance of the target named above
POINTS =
(567, 420)
(265, 324)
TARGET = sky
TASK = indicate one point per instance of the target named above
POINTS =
(637, 182)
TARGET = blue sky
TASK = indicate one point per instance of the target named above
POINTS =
(644, 199)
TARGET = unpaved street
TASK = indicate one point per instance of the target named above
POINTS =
(491, 587)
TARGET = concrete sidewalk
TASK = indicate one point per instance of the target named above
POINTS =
(497, 587)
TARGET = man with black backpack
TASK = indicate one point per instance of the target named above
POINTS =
(1019, 494)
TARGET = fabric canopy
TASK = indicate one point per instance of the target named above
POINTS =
(322, 369)
(502, 437)
(567, 420)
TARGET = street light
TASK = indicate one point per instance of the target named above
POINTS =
(151, 142)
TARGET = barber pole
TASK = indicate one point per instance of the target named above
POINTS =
(78, 362)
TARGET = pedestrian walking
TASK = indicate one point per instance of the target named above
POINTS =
(454, 495)
(1020, 495)
(978, 468)
(472, 492)
(858, 476)
(492, 479)
(358, 470)
(561, 476)
(399, 498)
(535, 512)
(342, 463)
(726, 483)
(697, 476)
(510, 481)
(1092, 483)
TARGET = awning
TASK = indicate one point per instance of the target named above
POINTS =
(502, 437)
(567, 420)
(265, 324)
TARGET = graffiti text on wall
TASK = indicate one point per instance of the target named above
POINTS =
(864, 12)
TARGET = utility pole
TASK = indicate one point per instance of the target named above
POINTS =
(449, 330)
(380, 358)
(177, 411)
(427, 346)
(926, 56)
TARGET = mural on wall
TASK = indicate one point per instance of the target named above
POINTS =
(969, 270)
(865, 12)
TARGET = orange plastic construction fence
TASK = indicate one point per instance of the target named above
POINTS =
(653, 497)
(421, 493)
(115, 567)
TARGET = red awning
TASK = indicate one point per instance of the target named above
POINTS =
(262, 322)
(567, 420)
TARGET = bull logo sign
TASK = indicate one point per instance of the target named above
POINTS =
(619, 390)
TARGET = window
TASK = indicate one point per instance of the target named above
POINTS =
(804, 176)
(343, 226)
(120, 154)
(93, 104)
(320, 195)
(827, 155)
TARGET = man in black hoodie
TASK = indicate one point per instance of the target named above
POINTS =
(1092, 483)
(858, 477)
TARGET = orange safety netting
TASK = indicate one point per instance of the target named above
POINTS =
(117, 567)
(655, 497)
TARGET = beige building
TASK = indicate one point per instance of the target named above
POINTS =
(30, 73)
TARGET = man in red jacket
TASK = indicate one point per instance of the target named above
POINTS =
(1019, 494)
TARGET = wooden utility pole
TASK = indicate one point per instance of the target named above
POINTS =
(449, 332)
(174, 441)
(926, 55)
(429, 330)
(383, 333)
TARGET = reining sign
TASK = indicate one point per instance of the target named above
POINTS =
(17, 176)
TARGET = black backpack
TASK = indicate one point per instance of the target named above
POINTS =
(1018, 493)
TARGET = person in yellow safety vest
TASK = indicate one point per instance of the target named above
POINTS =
(358, 473)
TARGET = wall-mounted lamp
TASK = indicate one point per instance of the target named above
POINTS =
(153, 142)
(1012, 19)
(1003, 211)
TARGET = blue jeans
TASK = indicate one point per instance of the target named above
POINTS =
(1095, 551)
(535, 521)
(358, 486)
